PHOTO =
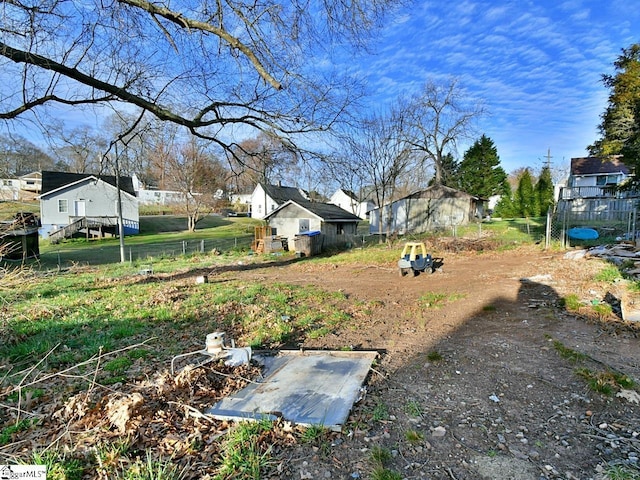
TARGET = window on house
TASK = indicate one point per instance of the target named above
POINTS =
(603, 180)
(340, 229)
(7, 183)
(63, 205)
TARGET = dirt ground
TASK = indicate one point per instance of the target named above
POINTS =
(470, 381)
(501, 403)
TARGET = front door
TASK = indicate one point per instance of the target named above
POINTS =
(80, 208)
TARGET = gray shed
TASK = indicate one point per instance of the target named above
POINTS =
(293, 219)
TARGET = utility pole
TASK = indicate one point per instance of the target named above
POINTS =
(549, 157)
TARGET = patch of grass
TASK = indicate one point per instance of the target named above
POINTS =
(434, 356)
(413, 408)
(381, 473)
(571, 302)
(610, 273)
(606, 383)
(59, 465)
(380, 412)
(379, 455)
(413, 436)
(7, 432)
(118, 365)
(621, 472)
(313, 433)
(602, 310)
(244, 455)
(151, 468)
(32, 393)
(437, 300)
(568, 353)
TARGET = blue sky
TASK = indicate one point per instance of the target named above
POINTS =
(535, 65)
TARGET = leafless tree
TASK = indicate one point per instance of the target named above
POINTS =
(262, 159)
(380, 152)
(437, 119)
(199, 177)
(79, 149)
(213, 67)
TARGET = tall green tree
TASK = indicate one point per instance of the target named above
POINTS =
(525, 198)
(506, 205)
(544, 190)
(620, 125)
(479, 172)
(450, 171)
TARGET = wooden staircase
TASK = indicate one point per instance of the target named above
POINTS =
(92, 226)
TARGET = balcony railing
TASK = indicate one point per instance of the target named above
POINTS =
(570, 193)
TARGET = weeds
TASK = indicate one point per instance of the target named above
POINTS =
(413, 436)
(244, 456)
(610, 273)
(7, 432)
(568, 353)
(413, 409)
(434, 356)
(380, 412)
(150, 468)
(59, 466)
(621, 472)
(571, 302)
(606, 383)
(379, 458)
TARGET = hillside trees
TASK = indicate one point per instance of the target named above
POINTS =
(214, 68)
(620, 125)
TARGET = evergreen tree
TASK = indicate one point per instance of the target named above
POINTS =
(480, 173)
(450, 171)
(525, 198)
(544, 190)
(505, 206)
(620, 126)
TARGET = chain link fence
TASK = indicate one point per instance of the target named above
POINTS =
(612, 226)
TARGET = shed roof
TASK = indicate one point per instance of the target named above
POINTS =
(54, 180)
(598, 165)
(325, 211)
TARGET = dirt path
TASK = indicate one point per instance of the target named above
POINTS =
(501, 403)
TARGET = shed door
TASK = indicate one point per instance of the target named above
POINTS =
(80, 208)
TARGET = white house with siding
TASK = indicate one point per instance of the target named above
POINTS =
(348, 201)
(68, 198)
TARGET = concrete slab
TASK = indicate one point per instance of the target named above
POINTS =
(304, 387)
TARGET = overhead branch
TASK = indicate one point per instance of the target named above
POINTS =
(191, 24)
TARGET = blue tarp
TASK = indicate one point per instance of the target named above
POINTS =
(312, 233)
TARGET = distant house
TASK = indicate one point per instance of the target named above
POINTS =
(24, 187)
(336, 226)
(594, 177)
(266, 198)
(348, 200)
(436, 206)
(74, 202)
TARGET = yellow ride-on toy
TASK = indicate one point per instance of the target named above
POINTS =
(414, 258)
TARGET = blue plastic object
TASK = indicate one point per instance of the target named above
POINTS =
(582, 233)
